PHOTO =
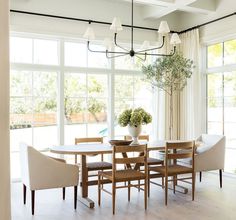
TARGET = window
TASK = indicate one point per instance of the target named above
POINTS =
(55, 100)
(85, 100)
(33, 111)
(221, 96)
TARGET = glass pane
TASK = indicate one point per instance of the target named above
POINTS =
(230, 84)
(229, 52)
(74, 130)
(97, 110)
(15, 166)
(75, 85)
(20, 112)
(45, 136)
(229, 130)
(20, 134)
(45, 111)
(215, 110)
(45, 84)
(122, 104)
(124, 86)
(230, 162)
(215, 85)
(75, 54)
(75, 110)
(142, 90)
(20, 83)
(97, 85)
(21, 50)
(215, 55)
(230, 109)
(215, 128)
(97, 130)
(98, 60)
(46, 52)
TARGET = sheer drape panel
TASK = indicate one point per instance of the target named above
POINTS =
(190, 100)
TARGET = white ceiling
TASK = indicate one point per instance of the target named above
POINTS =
(184, 14)
(160, 8)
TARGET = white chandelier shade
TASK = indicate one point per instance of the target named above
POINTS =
(116, 25)
(89, 34)
(163, 28)
(175, 39)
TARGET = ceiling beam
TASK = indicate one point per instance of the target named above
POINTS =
(192, 6)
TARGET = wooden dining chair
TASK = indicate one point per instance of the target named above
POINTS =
(93, 166)
(174, 152)
(125, 175)
(151, 161)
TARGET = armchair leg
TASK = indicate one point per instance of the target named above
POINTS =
(148, 184)
(129, 190)
(200, 176)
(63, 193)
(75, 196)
(99, 189)
(166, 189)
(32, 201)
(220, 173)
(113, 197)
(193, 185)
(24, 194)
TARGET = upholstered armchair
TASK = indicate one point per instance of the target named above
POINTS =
(39, 171)
(210, 154)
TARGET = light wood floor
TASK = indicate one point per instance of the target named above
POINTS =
(211, 203)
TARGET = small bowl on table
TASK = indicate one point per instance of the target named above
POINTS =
(120, 142)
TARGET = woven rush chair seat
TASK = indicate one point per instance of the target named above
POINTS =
(124, 175)
(99, 166)
(172, 169)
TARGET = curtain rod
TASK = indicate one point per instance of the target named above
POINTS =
(206, 23)
(124, 25)
(79, 19)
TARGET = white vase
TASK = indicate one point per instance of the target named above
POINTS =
(134, 133)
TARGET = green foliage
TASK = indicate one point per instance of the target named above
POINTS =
(169, 73)
(134, 117)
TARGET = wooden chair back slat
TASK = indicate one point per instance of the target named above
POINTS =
(89, 140)
(126, 149)
(184, 145)
(179, 155)
(132, 160)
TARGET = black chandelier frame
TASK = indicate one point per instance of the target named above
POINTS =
(131, 51)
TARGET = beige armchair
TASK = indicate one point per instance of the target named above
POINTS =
(39, 171)
(210, 154)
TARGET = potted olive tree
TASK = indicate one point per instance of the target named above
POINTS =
(134, 119)
(170, 74)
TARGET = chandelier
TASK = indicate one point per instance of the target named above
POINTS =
(116, 26)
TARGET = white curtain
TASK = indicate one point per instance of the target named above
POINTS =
(191, 100)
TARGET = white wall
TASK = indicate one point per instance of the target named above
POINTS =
(102, 10)
(4, 113)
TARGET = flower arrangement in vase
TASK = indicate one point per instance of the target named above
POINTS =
(134, 119)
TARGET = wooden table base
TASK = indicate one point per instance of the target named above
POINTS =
(86, 201)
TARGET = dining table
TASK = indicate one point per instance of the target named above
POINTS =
(88, 149)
